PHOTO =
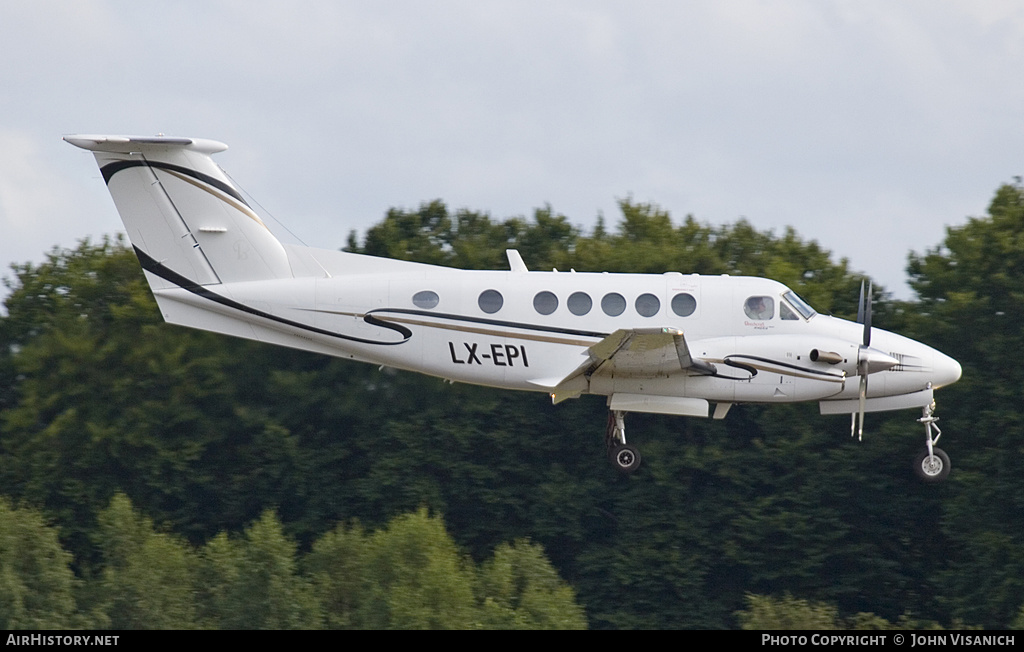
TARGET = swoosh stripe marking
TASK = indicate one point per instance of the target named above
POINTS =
(154, 267)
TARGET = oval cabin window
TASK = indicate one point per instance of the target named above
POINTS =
(613, 304)
(580, 303)
(425, 299)
(648, 305)
(490, 301)
(684, 304)
(545, 302)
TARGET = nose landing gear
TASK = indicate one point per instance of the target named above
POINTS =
(932, 464)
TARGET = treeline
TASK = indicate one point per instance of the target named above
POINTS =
(205, 434)
(408, 575)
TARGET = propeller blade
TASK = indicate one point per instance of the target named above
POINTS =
(867, 315)
(864, 356)
(863, 398)
(860, 304)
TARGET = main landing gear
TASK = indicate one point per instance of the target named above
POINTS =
(624, 457)
(932, 464)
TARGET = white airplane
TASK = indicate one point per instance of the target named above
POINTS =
(668, 344)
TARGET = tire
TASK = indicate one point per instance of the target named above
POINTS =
(934, 468)
(625, 458)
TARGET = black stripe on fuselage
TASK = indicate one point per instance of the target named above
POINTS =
(493, 322)
(154, 267)
(731, 360)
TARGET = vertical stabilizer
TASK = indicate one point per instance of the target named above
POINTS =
(182, 213)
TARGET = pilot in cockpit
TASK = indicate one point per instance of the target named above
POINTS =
(759, 307)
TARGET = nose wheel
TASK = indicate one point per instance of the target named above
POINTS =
(623, 457)
(932, 467)
(932, 464)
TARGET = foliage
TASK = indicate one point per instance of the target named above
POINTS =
(972, 289)
(253, 582)
(519, 589)
(148, 579)
(411, 575)
(36, 583)
(788, 613)
(106, 398)
(764, 612)
(408, 575)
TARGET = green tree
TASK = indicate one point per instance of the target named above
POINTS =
(519, 589)
(336, 566)
(469, 239)
(36, 583)
(410, 575)
(407, 575)
(767, 613)
(971, 291)
(148, 577)
(418, 578)
(254, 582)
(105, 397)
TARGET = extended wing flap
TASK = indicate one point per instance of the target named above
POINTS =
(649, 350)
(637, 351)
(687, 361)
(637, 341)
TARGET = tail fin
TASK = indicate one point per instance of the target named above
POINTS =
(186, 220)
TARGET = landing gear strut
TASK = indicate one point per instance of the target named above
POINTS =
(624, 457)
(932, 464)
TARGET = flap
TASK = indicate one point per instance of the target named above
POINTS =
(639, 351)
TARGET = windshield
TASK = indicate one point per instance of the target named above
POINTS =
(799, 304)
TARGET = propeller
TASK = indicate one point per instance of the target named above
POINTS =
(863, 355)
(869, 360)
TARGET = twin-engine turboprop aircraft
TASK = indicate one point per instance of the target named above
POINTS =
(670, 344)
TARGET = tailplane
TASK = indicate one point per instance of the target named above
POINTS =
(186, 220)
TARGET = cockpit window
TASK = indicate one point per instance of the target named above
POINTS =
(799, 305)
(786, 313)
(759, 307)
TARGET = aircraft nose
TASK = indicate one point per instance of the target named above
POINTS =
(946, 370)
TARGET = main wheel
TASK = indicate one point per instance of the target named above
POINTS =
(625, 458)
(934, 467)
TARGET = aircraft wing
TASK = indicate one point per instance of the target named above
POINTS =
(635, 351)
(644, 351)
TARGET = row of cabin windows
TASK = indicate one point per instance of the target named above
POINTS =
(613, 304)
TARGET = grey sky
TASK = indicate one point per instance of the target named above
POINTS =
(868, 126)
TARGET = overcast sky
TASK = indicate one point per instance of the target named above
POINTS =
(869, 126)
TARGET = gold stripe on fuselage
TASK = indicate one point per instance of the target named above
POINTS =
(476, 330)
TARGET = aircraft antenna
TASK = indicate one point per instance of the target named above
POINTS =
(263, 210)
